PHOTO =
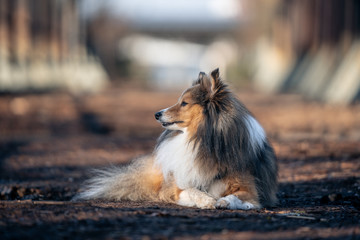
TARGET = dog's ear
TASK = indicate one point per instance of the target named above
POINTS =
(204, 81)
(200, 78)
(215, 80)
(209, 83)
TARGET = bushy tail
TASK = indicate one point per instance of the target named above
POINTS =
(266, 177)
(121, 183)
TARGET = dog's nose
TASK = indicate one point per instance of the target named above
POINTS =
(158, 115)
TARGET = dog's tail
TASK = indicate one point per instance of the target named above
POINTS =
(266, 173)
(137, 181)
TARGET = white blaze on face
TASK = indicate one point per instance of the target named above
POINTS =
(166, 119)
(163, 117)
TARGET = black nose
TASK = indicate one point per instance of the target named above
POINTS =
(158, 115)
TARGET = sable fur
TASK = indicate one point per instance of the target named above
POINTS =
(138, 181)
(228, 155)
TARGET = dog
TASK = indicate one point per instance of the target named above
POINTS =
(213, 153)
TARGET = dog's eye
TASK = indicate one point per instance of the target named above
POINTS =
(183, 104)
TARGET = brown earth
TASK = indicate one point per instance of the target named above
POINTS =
(50, 141)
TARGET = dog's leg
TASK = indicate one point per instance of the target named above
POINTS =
(240, 193)
(192, 197)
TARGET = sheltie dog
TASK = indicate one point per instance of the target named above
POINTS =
(212, 154)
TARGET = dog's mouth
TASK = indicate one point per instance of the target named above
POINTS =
(166, 124)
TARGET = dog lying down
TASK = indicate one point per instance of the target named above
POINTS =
(213, 153)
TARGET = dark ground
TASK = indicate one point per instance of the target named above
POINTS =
(49, 142)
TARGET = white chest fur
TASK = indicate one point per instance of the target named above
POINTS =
(177, 156)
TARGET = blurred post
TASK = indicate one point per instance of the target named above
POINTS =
(41, 47)
(323, 60)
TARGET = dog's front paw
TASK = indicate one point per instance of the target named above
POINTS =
(232, 202)
(207, 203)
(222, 204)
(195, 198)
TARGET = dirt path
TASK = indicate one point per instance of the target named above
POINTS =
(49, 142)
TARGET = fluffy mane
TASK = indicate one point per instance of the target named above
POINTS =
(222, 137)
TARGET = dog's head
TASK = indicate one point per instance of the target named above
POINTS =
(188, 112)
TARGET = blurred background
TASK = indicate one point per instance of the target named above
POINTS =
(80, 82)
(310, 47)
